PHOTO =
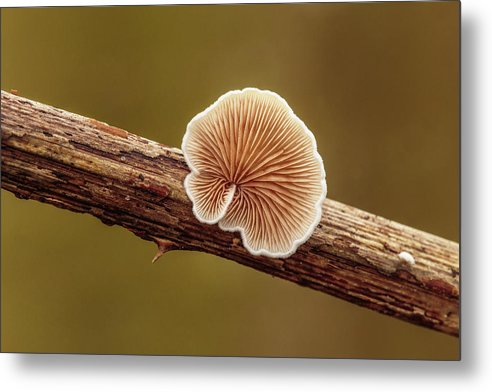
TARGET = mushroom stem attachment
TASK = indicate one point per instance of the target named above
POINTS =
(163, 246)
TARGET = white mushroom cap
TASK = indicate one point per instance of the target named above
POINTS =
(255, 169)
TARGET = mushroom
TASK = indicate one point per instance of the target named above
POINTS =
(255, 169)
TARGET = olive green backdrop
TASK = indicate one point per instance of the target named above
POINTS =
(377, 83)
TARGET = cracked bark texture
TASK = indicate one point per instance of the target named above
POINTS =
(87, 166)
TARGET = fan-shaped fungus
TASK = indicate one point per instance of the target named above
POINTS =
(255, 169)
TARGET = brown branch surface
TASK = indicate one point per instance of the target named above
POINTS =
(84, 165)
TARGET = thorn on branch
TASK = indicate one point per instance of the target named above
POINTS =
(163, 246)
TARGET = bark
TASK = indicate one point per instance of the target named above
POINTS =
(87, 166)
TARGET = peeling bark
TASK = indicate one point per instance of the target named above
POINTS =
(87, 166)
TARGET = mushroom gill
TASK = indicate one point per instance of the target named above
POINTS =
(255, 169)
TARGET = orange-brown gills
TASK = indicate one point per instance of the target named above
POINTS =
(255, 169)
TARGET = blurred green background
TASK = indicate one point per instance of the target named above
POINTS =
(377, 83)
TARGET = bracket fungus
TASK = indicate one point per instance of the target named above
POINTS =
(255, 169)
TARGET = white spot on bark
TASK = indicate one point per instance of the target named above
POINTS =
(407, 258)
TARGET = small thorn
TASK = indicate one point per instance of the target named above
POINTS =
(157, 256)
(163, 246)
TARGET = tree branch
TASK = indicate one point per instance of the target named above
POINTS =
(84, 165)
